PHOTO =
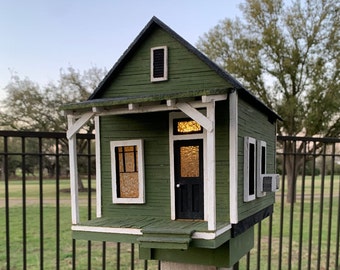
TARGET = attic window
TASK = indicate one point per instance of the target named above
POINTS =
(159, 64)
(127, 171)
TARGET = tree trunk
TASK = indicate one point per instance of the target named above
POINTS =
(80, 184)
(291, 192)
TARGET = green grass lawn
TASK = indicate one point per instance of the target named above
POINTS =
(310, 223)
(49, 232)
(314, 242)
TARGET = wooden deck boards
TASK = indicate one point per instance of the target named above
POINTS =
(151, 224)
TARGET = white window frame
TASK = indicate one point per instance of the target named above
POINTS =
(141, 181)
(247, 197)
(165, 67)
(259, 188)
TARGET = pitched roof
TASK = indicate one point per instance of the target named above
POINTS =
(144, 34)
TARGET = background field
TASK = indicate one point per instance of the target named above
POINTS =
(290, 239)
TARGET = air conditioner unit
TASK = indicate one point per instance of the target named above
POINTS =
(271, 182)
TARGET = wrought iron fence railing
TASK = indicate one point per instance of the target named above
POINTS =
(303, 232)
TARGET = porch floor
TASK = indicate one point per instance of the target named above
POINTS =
(153, 223)
(140, 229)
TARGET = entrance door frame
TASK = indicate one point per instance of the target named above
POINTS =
(208, 137)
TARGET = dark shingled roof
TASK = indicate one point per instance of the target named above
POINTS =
(95, 100)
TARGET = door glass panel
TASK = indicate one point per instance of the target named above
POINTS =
(189, 161)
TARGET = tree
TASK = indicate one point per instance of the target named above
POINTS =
(287, 53)
(31, 107)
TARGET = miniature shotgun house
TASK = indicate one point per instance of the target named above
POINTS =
(185, 155)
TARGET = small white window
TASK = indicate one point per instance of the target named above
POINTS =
(127, 167)
(261, 166)
(249, 168)
(159, 64)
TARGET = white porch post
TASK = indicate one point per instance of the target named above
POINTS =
(211, 169)
(73, 172)
(98, 169)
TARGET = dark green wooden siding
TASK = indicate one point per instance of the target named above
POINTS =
(222, 161)
(185, 71)
(255, 124)
(153, 129)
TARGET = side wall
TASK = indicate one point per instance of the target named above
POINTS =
(222, 161)
(255, 124)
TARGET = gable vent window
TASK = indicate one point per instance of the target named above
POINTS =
(159, 64)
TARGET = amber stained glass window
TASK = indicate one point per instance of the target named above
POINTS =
(127, 171)
(186, 126)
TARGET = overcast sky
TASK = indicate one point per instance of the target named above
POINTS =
(39, 37)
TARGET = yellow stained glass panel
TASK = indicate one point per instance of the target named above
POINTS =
(189, 161)
(188, 126)
(128, 187)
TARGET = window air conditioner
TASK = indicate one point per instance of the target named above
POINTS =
(271, 182)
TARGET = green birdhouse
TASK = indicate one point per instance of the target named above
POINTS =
(185, 155)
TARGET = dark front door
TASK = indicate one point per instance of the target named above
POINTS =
(188, 155)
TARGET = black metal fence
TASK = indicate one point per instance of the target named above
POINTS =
(303, 232)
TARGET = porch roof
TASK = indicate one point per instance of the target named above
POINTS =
(118, 101)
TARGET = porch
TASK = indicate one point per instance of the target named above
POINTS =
(146, 231)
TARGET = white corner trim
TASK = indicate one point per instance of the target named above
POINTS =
(233, 157)
(195, 115)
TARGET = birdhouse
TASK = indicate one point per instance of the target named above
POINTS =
(185, 155)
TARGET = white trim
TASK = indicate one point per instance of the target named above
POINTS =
(172, 138)
(211, 235)
(246, 171)
(259, 182)
(210, 181)
(207, 99)
(196, 115)
(141, 182)
(165, 67)
(98, 168)
(195, 235)
(73, 172)
(233, 157)
(80, 228)
(169, 106)
(209, 166)
(76, 125)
